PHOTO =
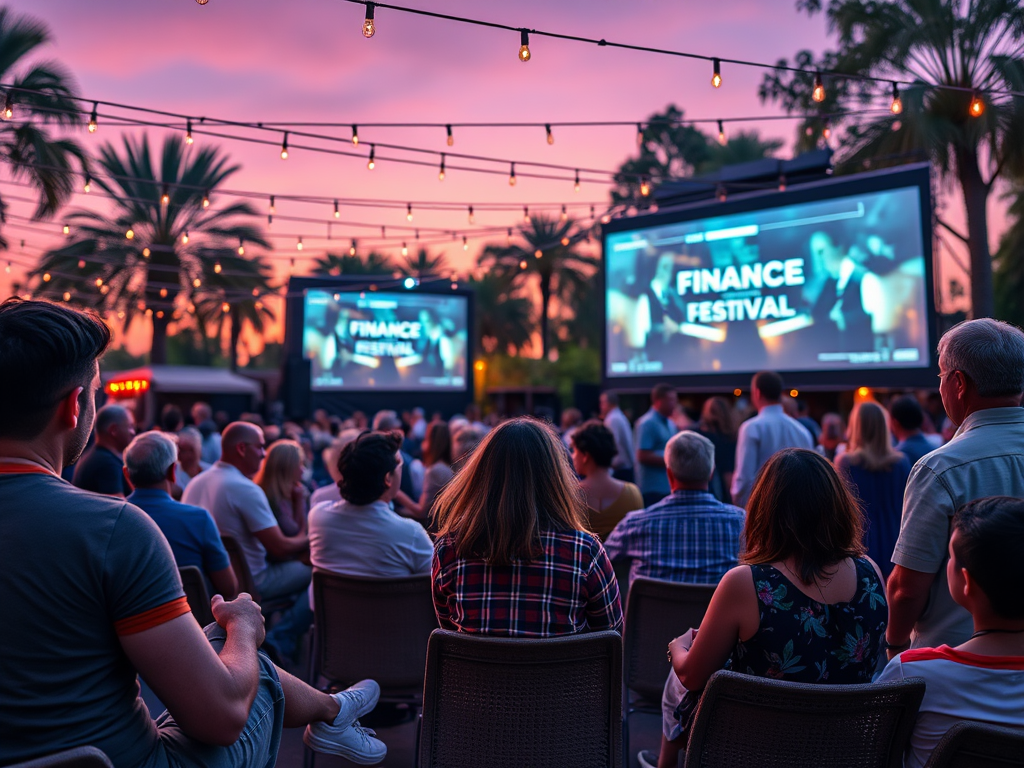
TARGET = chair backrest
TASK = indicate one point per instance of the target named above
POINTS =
(514, 702)
(376, 628)
(195, 590)
(79, 757)
(978, 745)
(656, 612)
(744, 720)
(241, 567)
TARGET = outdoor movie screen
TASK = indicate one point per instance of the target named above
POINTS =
(832, 284)
(385, 341)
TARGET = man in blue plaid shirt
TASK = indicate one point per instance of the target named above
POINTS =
(689, 536)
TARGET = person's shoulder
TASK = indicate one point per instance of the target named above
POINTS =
(731, 510)
(65, 496)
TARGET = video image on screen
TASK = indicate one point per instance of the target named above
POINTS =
(385, 341)
(825, 285)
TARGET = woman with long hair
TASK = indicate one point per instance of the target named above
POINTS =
(833, 433)
(513, 556)
(437, 462)
(878, 474)
(280, 477)
(805, 605)
(718, 424)
(608, 500)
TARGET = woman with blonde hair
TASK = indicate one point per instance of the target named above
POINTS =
(878, 474)
(280, 478)
(513, 556)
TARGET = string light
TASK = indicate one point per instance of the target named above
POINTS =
(524, 46)
(566, 240)
(206, 200)
(465, 243)
(270, 220)
(721, 133)
(538, 253)
(512, 176)
(67, 229)
(241, 247)
(451, 139)
(818, 94)
(284, 146)
(565, 214)
(355, 135)
(46, 277)
(408, 212)
(576, 184)
(645, 186)
(225, 307)
(977, 107)
(826, 131)
(196, 283)
(188, 133)
(184, 237)
(87, 187)
(93, 125)
(897, 103)
(526, 214)
(550, 135)
(272, 208)
(440, 173)
(716, 78)
(472, 218)
(368, 27)
(370, 163)
(337, 213)
(523, 264)
(352, 249)
(8, 111)
(67, 295)
(130, 234)
(163, 293)
(405, 249)
(782, 182)
(165, 197)
(217, 267)
(145, 253)
(721, 193)
(639, 135)
(508, 238)
(298, 245)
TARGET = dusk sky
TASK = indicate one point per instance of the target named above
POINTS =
(277, 62)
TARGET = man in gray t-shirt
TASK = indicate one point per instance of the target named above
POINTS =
(981, 372)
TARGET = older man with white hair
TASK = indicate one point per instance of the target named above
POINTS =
(689, 536)
(149, 465)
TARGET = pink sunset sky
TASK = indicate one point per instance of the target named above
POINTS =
(308, 61)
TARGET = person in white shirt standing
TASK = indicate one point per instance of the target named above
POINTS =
(618, 423)
(760, 437)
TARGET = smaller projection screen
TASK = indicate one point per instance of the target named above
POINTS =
(413, 342)
(835, 279)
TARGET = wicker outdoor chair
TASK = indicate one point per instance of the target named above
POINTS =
(79, 757)
(656, 612)
(195, 592)
(744, 721)
(511, 702)
(977, 745)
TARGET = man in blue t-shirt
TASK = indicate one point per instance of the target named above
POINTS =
(653, 431)
(149, 464)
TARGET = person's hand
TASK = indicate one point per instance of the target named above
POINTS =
(241, 614)
(682, 643)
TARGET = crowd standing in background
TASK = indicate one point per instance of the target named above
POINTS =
(829, 543)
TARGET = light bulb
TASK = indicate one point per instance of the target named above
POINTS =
(145, 253)
(337, 213)
(217, 267)
(465, 243)
(782, 182)
(272, 208)
(352, 250)
(225, 307)
(508, 238)
(8, 112)
(196, 283)
(818, 94)
(206, 200)
(565, 214)
(826, 131)
(451, 139)
(639, 135)
(526, 214)
(408, 212)
(284, 147)
(67, 296)
(512, 176)
(897, 103)
(130, 234)
(165, 197)
(440, 173)
(184, 236)
(67, 230)
(977, 107)
(92, 118)
(524, 47)
(551, 136)
(188, 133)
(645, 186)
(46, 277)
(576, 184)
(472, 218)
(298, 245)
(405, 249)
(523, 264)
(163, 293)
(241, 248)
(721, 133)
(716, 78)
(370, 163)
(368, 27)
(87, 187)
(538, 253)
(721, 193)
(355, 135)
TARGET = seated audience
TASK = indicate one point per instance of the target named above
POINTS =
(171, 418)
(689, 536)
(331, 453)
(831, 443)
(412, 476)
(464, 442)
(513, 556)
(878, 474)
(241, 510)
(100, 469)
(980, 679)
(92, 599)
(437, 459)
(149, 462)
(806, 605)
(280, 477)
(190, 448)
(906, 417)
(608, 500)
(571, 420)
(202, 418)
(360, 535)
(718, 424)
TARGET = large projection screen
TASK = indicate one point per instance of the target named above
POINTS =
(367, 340)
(833, 282)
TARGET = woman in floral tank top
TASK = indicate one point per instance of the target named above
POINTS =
(806, 605)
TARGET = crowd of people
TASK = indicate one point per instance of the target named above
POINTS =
(836, 545)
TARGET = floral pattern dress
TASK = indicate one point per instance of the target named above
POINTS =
(806, 641)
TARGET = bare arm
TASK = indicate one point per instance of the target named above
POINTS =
(225, 583)
(414, 508)
(908, 596)
(283, 547)
(208, 695)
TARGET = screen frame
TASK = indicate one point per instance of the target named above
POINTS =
(917, 175)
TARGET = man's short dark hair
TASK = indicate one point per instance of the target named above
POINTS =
(990, 540)
(907, 412)
(660, 391)
(612, 398)
(109, 415)
(769, 384)
(171, 418)
(46, 351)
(597, 441)
(365, 463)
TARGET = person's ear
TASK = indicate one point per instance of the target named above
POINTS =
(124, 471)
(172, 473)
(69, 409)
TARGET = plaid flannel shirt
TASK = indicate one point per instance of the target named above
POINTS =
(570, 588)
(689, 536)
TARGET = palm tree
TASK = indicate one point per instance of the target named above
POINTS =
(161, 241)
(547, 251)
(39, 95)
(1010, 263)
(335, 265)
(976, 46)
(423, 264)
(503, 319)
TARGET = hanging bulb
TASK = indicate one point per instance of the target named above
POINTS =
(639, 135)
(145, 253)
(284, 146)
(576, 184)
(67, 295)
(451, 139)
(897, 103)
(472, 218)
(826, 131)
(206, 200)
(721, 133)
(241, 249)
(721, 193)
(165, 197)
(405, 249)
(551, 136)
(87, 187)
(130, 234)
(465, 243)
(370, 163)
(368, 27)
(782, 182)
(565, 214)
(566, 240)
(526, 214)
(508, 238)
(46, 277)
(977, 107)
(8, 111)
(67, 230)
(217, 267)
(355, 135)
(92, 118)
(298, 245)
(440, 173)
(524, 47)
(352, 250)
(188, 133)
(818, 94)
(538, 253)
(225, 307)
(512, 176)
(408, 212)
(417, 234)
(337, 213)
(270, 219)
(196, 283)
(163, 293)
(716, 78)
(272, 208)
(523, 264)
(645, 186)
(184, 237)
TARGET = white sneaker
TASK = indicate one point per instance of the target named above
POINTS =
(647, 759)
(345, 737)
